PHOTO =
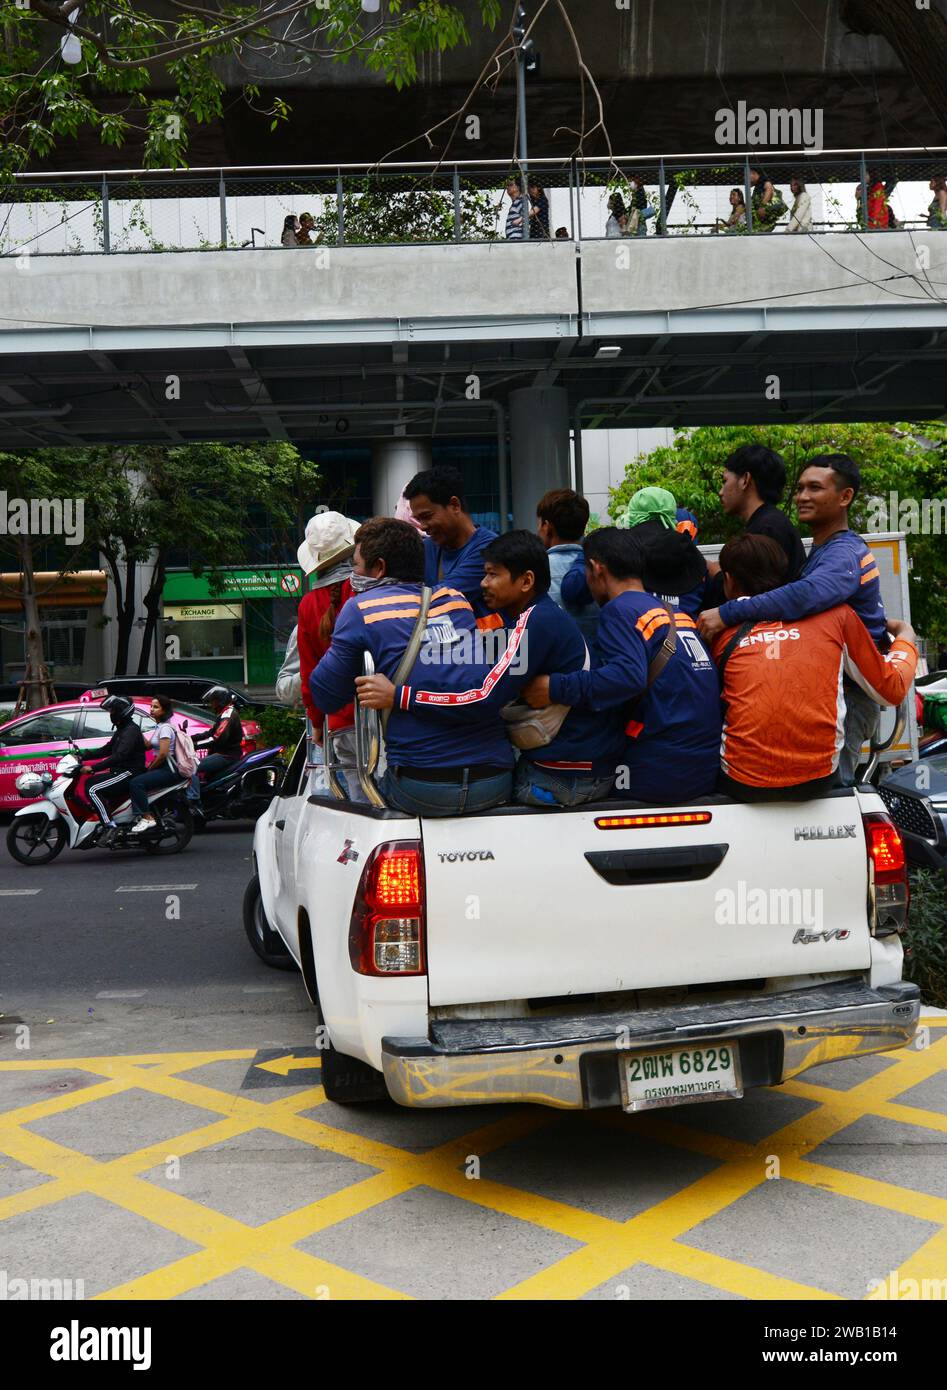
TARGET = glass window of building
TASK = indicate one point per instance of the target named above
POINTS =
(203, 630)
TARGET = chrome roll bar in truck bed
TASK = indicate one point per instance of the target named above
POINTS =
(368, 742)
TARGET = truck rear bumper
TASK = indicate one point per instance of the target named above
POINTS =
(572, 1063)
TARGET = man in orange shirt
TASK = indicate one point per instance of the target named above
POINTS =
(784, 719)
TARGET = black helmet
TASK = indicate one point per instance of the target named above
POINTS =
(217, 695)
(119, 707)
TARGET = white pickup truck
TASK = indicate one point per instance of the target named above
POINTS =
(612, 954)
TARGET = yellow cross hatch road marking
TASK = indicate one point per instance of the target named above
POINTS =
(606, 1246)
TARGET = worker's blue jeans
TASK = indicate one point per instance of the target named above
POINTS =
(420, 798)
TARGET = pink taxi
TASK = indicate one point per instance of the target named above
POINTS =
(35, 742)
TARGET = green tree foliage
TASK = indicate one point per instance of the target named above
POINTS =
(41, 474)
(129, 50)
(907, 459)
(280, 726)
(408, 210)
(925, 941)
(143, 502)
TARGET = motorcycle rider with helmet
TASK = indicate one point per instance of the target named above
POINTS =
(224, 742)
(115, 764)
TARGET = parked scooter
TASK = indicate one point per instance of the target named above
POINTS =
(244, 791)
(62, 818)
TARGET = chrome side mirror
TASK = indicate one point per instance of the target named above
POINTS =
(260, 781)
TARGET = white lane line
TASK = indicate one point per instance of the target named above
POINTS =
(156, 888)
(19, 892)
(266, 989)
(120, 993)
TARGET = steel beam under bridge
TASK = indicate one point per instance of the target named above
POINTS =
(256, 344)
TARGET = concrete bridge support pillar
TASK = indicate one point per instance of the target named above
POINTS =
(394, 463)
(539, 448)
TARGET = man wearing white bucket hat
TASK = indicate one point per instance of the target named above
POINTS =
(325, 554)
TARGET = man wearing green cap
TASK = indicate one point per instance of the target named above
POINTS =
(650, 512)
(650, 504)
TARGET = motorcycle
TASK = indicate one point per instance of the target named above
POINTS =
(243, 792)
(43, 829)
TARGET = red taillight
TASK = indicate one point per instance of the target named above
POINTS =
(386, 933)
(888, 894)
(885, 848)
(661, 818)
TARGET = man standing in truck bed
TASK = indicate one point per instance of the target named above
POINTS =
(453, 542)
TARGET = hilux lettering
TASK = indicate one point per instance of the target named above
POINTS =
(824, 832)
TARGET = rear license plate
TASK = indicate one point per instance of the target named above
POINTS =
(650, 1079)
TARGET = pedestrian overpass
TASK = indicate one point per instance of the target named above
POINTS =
(531, 341)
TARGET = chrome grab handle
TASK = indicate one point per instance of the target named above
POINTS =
(368, 742)
(330, 764)
(876, 749)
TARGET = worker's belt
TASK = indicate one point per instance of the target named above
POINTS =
(450, 774)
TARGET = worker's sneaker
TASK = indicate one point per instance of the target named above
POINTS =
(141, 826)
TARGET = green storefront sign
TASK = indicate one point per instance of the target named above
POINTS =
(261, 604)
(180, 586)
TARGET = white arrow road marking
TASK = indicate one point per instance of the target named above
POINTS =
(156, 888)
(19, 892)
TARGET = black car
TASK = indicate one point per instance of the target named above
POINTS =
(65, 690)
(916, 798)
(190, 689)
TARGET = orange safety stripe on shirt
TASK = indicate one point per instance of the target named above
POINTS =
(489, 622)
(448, 608)
(393, 613)
(661, 621)
(869, 575)
(646, 618)
(384, 599)
(683, 620)
(867, 559)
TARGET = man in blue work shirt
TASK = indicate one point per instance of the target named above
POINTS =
(562, 516)
(672, 725)
(453, 542)
(840, 569)
(580, 761)
(432, 771)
